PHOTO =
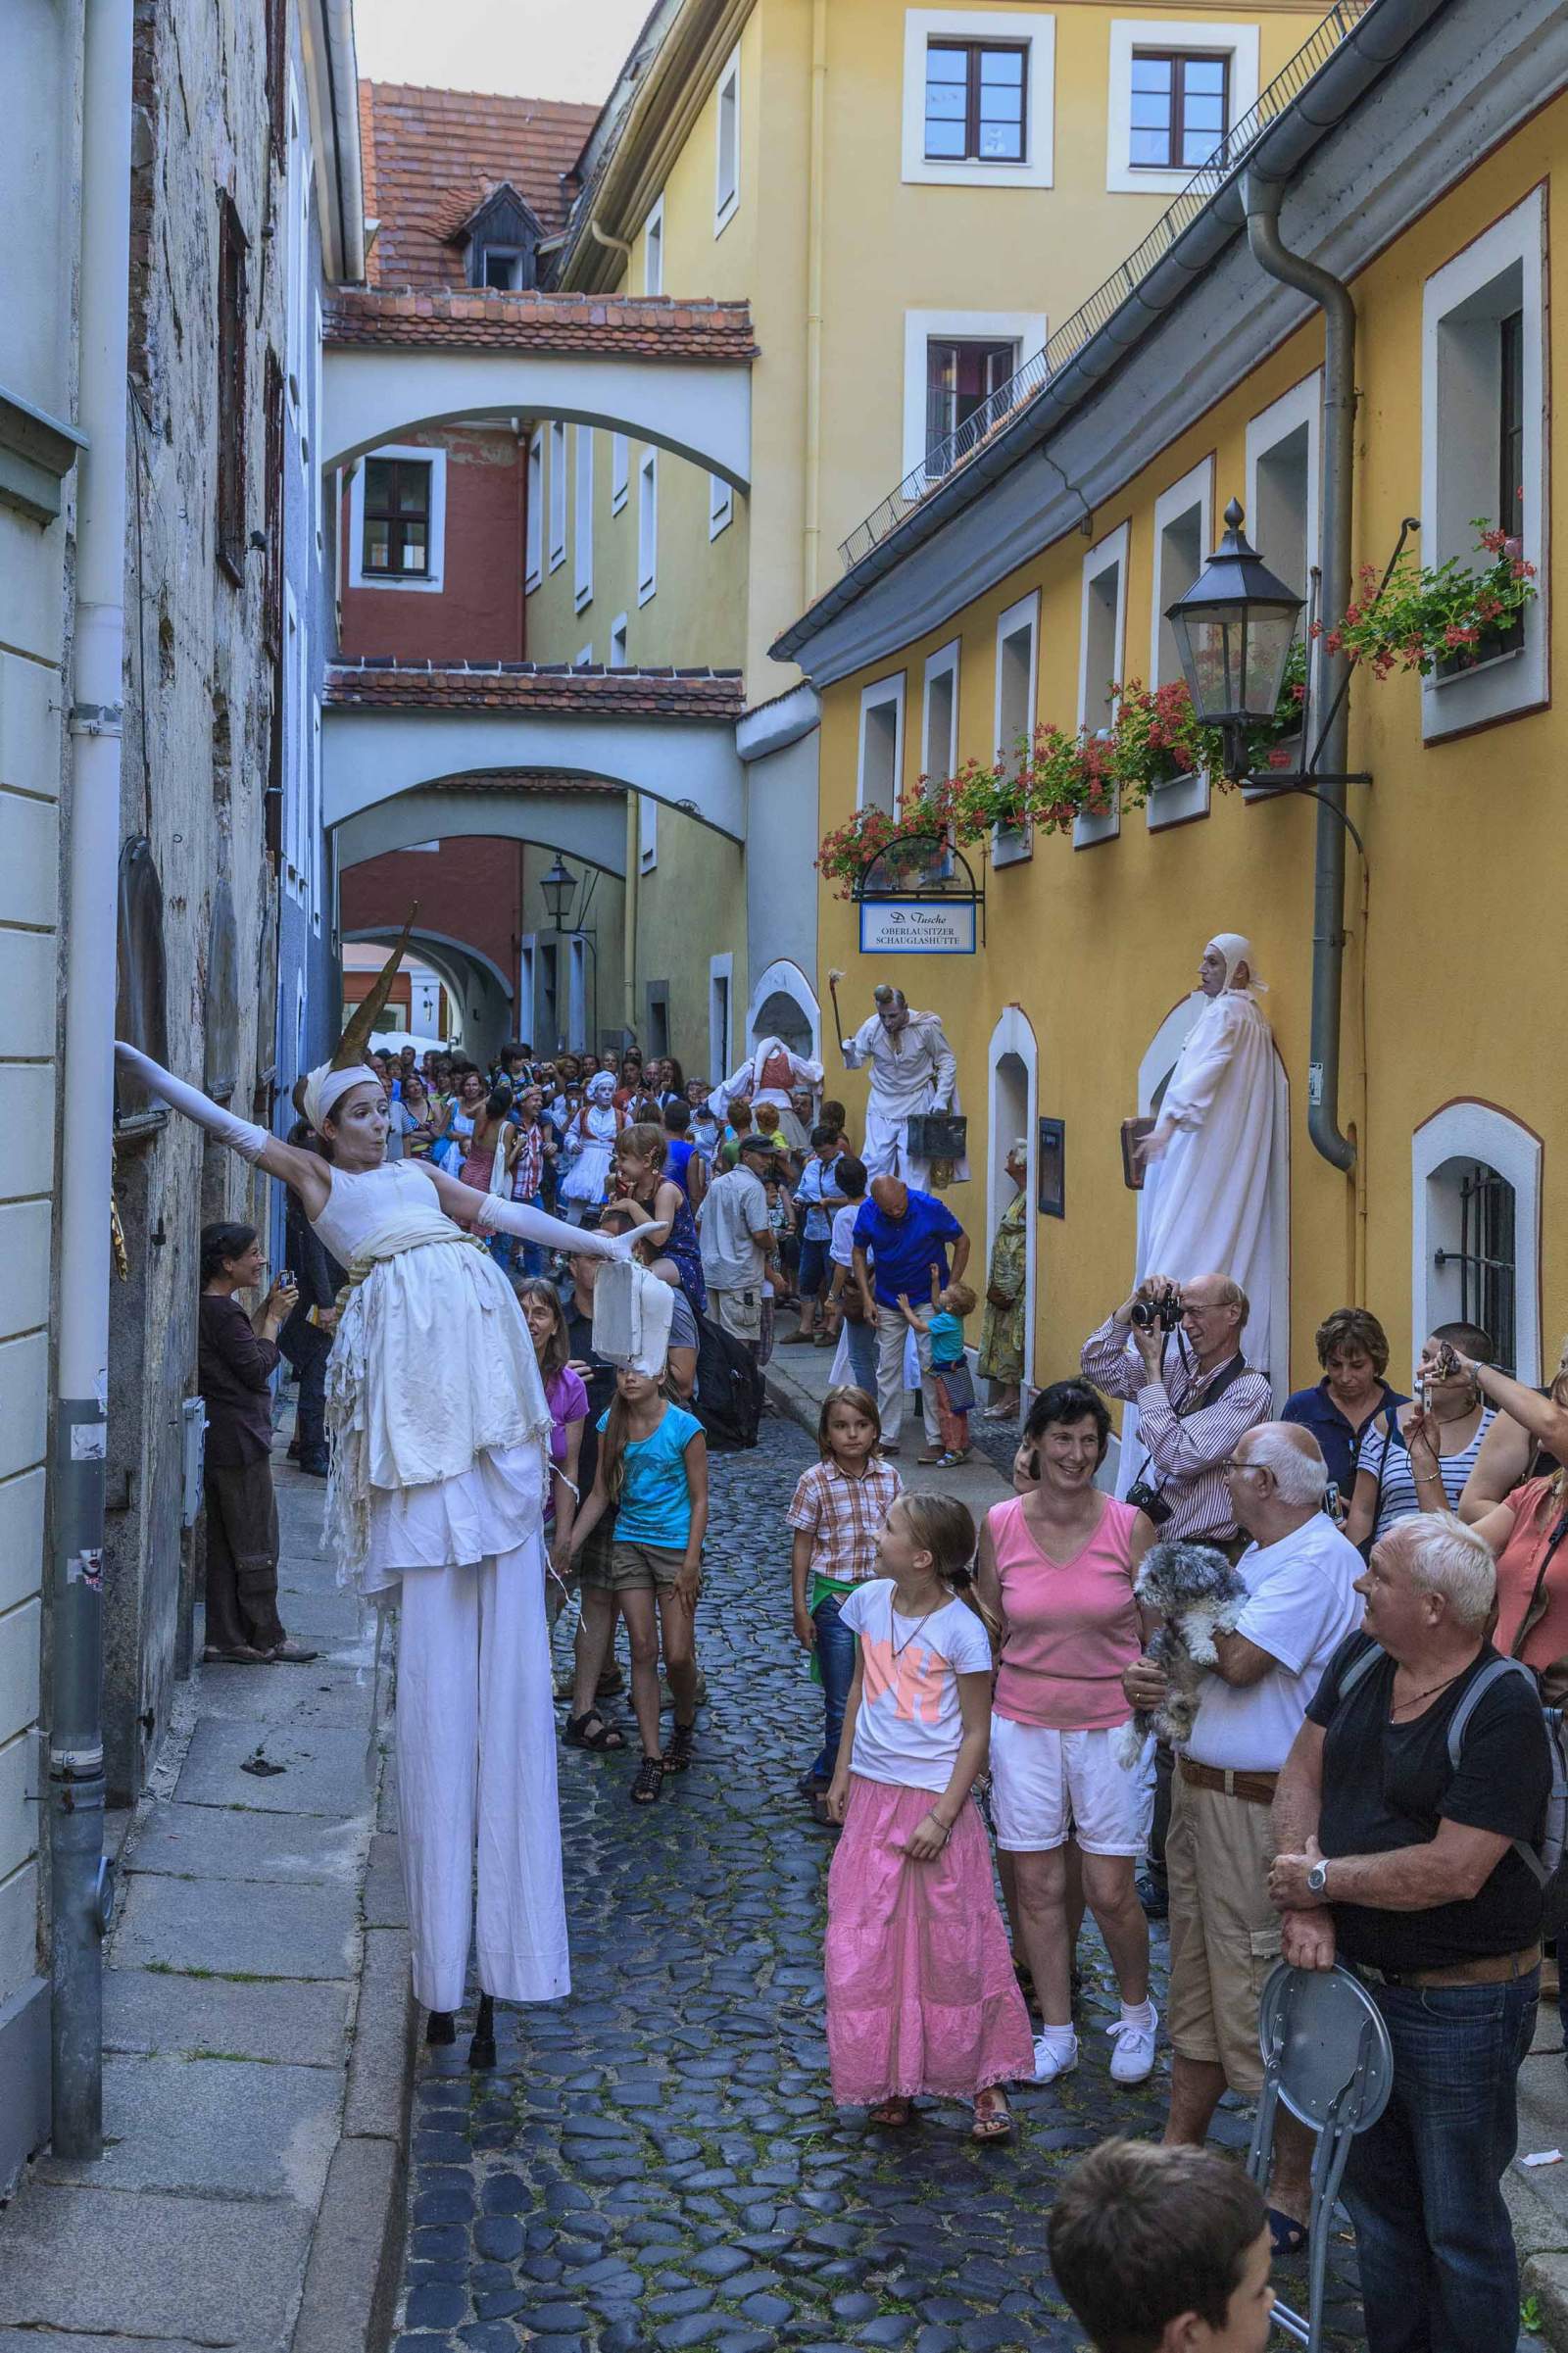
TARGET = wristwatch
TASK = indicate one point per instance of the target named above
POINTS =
(1317, 1878)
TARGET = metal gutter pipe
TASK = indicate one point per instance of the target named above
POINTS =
(816, 173)
(77, 1877)
(1263, 199)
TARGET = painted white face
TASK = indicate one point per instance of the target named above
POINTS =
(1211, 972)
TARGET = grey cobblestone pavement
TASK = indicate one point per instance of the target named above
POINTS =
(656, 2164)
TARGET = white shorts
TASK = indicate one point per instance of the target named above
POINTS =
(1046, 1786)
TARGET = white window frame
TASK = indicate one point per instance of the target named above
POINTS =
(1516, 682)
(654, 249)
(1111, 551)
(434, 581)
(875, 696)
(619, 472)
(1009, 848)
(1239, 42)
(647, 833)
(504, 253)
(1031, 29)
(583, 518)
(647, 526)
(585, 659)
(528, 958)
(727, 94)
(1026, 330)
(1300, 408)
(557, 493)
(1179, 803)
(291, 828)
(720, 505)
(946, 662)
(1476, 1131)
(618, 642)
(534, 548)
(309, 439)
(577, 992)
(315, 827)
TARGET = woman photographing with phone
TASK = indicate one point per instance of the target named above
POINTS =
(236, 1355)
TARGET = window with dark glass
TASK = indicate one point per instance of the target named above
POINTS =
(230, 390)
(397, 517)
(959, 379)
(1180, 109)
(503, 269)
(976, 102)
(1512, 425)
(1486, 1257)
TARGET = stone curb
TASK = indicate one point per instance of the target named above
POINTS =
(354, 2268)
(1545, 2276)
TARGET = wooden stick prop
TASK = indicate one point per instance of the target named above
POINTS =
(833, 980)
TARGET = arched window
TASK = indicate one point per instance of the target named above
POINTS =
(1475, 1221)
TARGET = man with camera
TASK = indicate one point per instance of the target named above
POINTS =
(1177, 1350)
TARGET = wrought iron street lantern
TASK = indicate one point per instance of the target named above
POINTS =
(1234, 630)
(557, 888)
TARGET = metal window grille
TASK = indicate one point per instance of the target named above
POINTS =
(1486, 1258)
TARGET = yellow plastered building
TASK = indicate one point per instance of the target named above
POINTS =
(1021, 590)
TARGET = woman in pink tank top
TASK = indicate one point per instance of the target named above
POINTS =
(1057, 1565)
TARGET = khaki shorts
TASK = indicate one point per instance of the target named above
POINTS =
(738, 1312)
(638, 1568)
(1224, 1933)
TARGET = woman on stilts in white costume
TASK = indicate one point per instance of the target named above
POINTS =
(435, 1504)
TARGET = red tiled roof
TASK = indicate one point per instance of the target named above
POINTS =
(522, 780)
(431, 157)
(540, 688)
(646, 326)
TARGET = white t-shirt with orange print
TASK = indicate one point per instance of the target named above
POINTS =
(909, 1727)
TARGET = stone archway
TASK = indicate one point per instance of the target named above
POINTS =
(784, 1005)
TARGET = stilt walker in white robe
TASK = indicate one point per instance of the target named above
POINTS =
(435, 1502)
(1207, 1203)
(913, 1070)
(770, 1074)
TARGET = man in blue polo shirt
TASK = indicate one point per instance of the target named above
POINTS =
(899, 1237)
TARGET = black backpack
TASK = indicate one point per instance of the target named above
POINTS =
(728, 1399)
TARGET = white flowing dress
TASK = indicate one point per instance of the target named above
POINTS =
(1208, 1204)
(436, 1503)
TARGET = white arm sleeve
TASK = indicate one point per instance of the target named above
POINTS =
(240, 1135)
(500, 1216)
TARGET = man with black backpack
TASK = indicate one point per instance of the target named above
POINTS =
(1411, 1823)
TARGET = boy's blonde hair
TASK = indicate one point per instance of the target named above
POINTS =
(960, 1299)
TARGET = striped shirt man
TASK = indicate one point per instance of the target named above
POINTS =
(1188, 1442)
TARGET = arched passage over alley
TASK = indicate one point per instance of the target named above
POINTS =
(587, 823)
(396, 730)
(673, 374)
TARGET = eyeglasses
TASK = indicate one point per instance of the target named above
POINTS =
(1233, 1462)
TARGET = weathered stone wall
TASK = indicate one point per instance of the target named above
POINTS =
(198, 699)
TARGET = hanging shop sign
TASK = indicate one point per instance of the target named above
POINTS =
(919, 896)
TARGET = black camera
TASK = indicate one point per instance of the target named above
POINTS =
(1165, 1310)
(1148, 1501)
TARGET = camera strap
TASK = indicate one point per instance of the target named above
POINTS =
(1198, 1397)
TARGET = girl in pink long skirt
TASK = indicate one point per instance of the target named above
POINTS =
(921, 1995)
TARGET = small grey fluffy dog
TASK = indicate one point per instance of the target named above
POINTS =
(1197, 1594)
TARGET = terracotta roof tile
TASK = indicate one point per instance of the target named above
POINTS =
(378, 683)
(650, 326)
(432, 156)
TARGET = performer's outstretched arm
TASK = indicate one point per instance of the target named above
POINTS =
(489, 1213)
(303, 1172)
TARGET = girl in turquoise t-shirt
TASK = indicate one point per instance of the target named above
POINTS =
(652, 1474)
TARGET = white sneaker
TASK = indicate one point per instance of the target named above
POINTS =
(1050, 2062)
(1132, 2059)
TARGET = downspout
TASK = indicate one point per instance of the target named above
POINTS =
(815, 179)
(1262, 200)
(78, 1878)
(602, 236)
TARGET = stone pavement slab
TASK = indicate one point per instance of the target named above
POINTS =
(219, 2127)
(321, 1768)
(220, 2271)
(207, 1842)
(223, 1926)
(282, 2020)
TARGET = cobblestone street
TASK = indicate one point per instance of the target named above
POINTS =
(657, 2163)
